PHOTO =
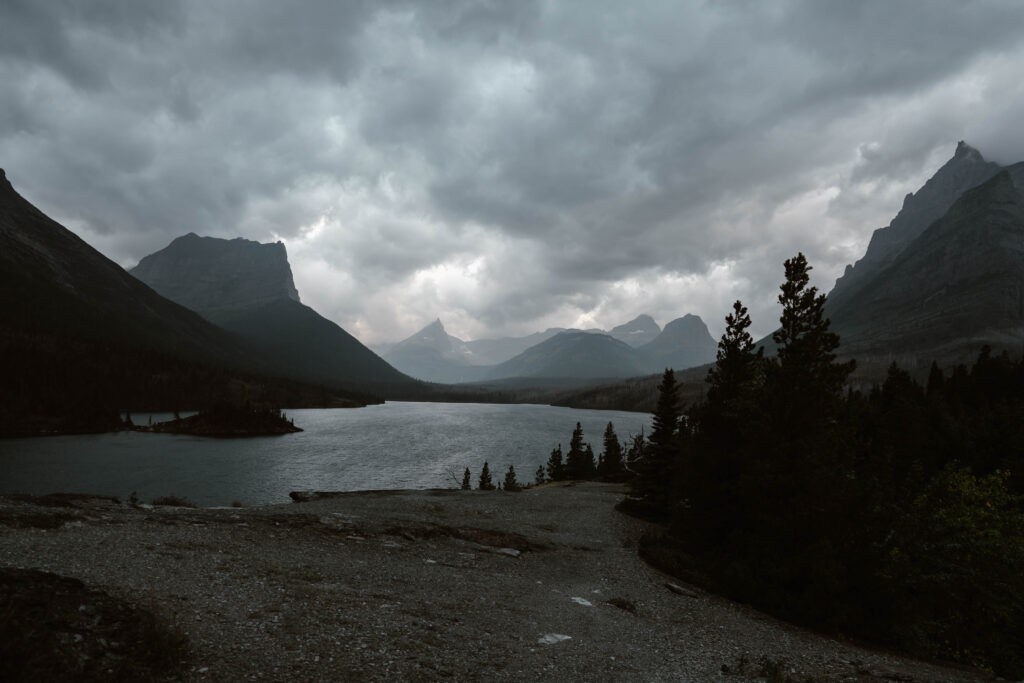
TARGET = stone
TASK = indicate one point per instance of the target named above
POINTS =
(679, 590)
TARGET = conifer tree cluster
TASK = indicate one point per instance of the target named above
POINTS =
(895, 515)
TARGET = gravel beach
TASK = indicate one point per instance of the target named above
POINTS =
(540, 585)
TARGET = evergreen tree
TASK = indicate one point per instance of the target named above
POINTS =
(808, 380)
(611, 458)
(510, 480)
(538, 477)
(936, 380)
(575, 459)
(724, 428)
(590, 467)
(736, 362)
(466, 485)
(485, 483)
(657, 470)
(556, 468)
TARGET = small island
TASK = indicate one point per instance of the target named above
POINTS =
(228, 421)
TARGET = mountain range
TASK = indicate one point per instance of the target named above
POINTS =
(638, 347)
(208, 319)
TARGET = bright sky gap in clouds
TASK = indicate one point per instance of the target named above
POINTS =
(505, 166)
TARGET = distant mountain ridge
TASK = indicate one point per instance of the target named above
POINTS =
(433, 355)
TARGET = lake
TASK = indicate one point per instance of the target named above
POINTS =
(391, 446)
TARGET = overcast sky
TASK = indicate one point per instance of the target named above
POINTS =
(511, 165)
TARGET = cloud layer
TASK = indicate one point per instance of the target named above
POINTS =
(504, 166)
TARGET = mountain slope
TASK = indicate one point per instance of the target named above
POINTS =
(684, 343)
(637, 332)
(80, 338)
(433, 355)
(574, 354)
(52, 281)
(965, 170)
(957, 286)
(247, 288)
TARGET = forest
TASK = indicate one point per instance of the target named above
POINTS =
(894, 515)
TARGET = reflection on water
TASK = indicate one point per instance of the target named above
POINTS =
(395, 445)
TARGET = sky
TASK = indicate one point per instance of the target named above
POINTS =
(504, 166)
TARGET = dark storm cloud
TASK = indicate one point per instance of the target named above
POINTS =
(504, 165)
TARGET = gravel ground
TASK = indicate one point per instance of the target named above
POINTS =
(425, 585)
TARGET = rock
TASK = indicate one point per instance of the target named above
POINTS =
(511, 552)
(553, 638)
(583, 601)
(679, 590)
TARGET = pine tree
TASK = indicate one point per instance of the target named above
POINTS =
(589, 464)
(611, 459)
(511, 484)
(556, 469)
(808, 380)
(657, 470)
(466, 485)
(538, 477)
(576, 466)
(736, 362)
(485, 483)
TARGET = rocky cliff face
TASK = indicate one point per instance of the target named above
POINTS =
(957, 286)
(967, 169)
(211, 275)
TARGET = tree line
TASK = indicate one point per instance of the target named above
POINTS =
(894, 514)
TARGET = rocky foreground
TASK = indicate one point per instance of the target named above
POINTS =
(409, 585)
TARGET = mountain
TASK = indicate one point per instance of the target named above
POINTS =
(574, 354)
(967, 169)
(80, 337)
(494, 351)
(955, 287)
(433, 355)
(247, 288)
(217, 274)
(637, 332)
(53, 282)
(684, 343)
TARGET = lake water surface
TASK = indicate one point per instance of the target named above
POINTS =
(394, 445)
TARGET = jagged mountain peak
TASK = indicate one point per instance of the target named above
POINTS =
(965, 151)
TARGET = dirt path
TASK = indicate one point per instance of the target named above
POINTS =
(425, 585)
